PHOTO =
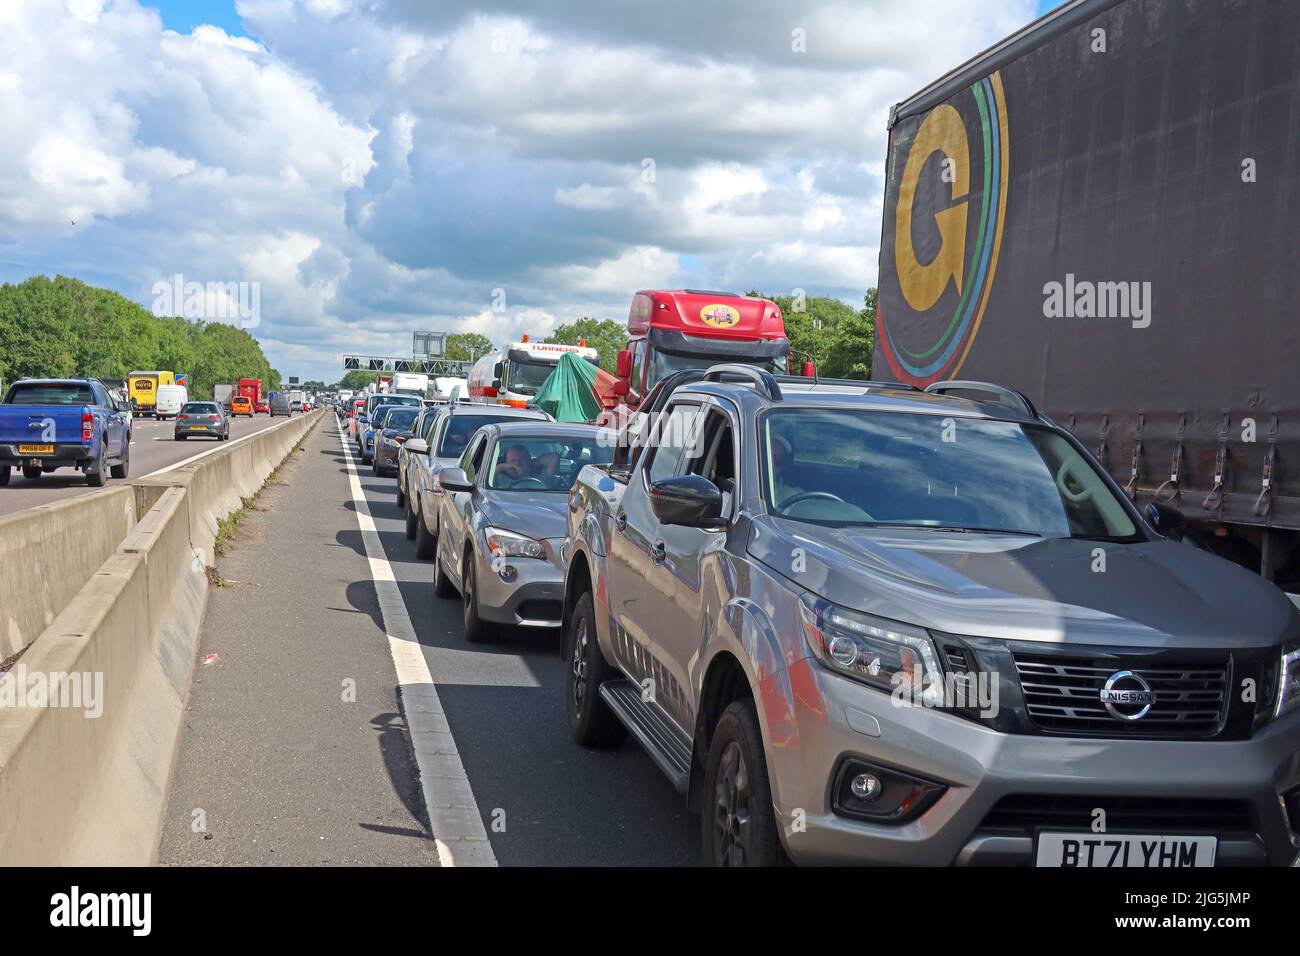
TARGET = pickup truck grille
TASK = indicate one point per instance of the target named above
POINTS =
(1063, 695)
(1140, 814)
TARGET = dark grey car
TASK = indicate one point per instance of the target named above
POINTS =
(503, 521)
(202, 420)
(903, 627)
(391, 432)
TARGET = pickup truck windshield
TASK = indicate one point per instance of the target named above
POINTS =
(891, 469)
(544, 464)
(50, 393)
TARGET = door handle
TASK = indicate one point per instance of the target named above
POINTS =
(620, 522)
(658, 552)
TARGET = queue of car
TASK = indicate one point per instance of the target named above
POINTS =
(868, 623)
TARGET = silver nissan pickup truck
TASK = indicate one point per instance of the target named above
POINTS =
(879, 625)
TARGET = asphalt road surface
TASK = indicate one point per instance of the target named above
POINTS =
(282, 768)
(153, 446)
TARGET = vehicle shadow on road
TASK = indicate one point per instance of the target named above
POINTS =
(399, 762)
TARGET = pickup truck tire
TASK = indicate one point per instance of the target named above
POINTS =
(591, 722)
(411, 519)
(4, 475)
(477, 630)
(30, 473)
(97, 477)
(426, 545)
(739, 821)
(122, 469)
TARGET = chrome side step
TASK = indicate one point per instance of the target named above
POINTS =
(662, 741)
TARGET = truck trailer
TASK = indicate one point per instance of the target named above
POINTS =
(1102, 212)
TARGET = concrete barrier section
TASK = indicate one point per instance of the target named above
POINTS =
(86, 784)
(47, 553)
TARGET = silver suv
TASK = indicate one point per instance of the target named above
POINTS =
(880, 625)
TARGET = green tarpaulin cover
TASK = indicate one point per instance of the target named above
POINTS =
(569, 395)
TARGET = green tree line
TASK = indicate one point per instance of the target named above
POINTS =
(62, 327)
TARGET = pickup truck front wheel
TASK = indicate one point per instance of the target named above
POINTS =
(591, 721)
(123, 469)
(739, 820)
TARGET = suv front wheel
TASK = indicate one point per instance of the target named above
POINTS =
(739, 821)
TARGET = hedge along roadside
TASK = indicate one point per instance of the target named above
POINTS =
(91, 790)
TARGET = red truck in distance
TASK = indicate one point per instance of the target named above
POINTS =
(670, 330)
(251, 389)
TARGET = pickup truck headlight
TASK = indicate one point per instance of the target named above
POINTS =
(507, 544)
(1288, 691)
(880, 653)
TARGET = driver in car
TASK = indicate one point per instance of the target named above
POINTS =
(519, 464)
(782, 455)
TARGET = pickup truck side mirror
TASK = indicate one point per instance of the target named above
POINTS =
(1162, 517)
(688, 500)
(453, 479)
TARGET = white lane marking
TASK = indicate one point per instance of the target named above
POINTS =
(454, 816)
(216, 447)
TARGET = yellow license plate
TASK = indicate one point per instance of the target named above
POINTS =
(199, 428)
(36, 449)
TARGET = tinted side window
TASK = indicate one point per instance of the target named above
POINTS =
(675, 436)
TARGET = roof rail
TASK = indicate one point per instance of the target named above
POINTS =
(858, 382)
(765, 382)
(1005, 395)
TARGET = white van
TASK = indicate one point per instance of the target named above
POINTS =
(170, 400)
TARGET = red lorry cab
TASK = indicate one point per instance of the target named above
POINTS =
(670, 330)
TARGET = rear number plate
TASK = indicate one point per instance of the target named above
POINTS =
(36, 449)
(1125, 850)
(199, 428)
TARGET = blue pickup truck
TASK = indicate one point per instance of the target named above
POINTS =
(50, 423)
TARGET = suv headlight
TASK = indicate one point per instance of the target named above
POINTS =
(507, 544)
(1288, 691)
(884, 654)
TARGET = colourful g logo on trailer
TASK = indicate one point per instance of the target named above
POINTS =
(719, 316)
(967, 261)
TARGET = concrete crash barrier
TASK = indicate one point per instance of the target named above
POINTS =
(91, 714)
(49, 552)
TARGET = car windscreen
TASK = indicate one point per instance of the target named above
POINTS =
(894, 469)
(544, 463)
(459, 430)
(199, 408)
(400, 418)
(50, 393)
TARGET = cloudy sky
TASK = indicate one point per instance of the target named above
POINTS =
(380, 166)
